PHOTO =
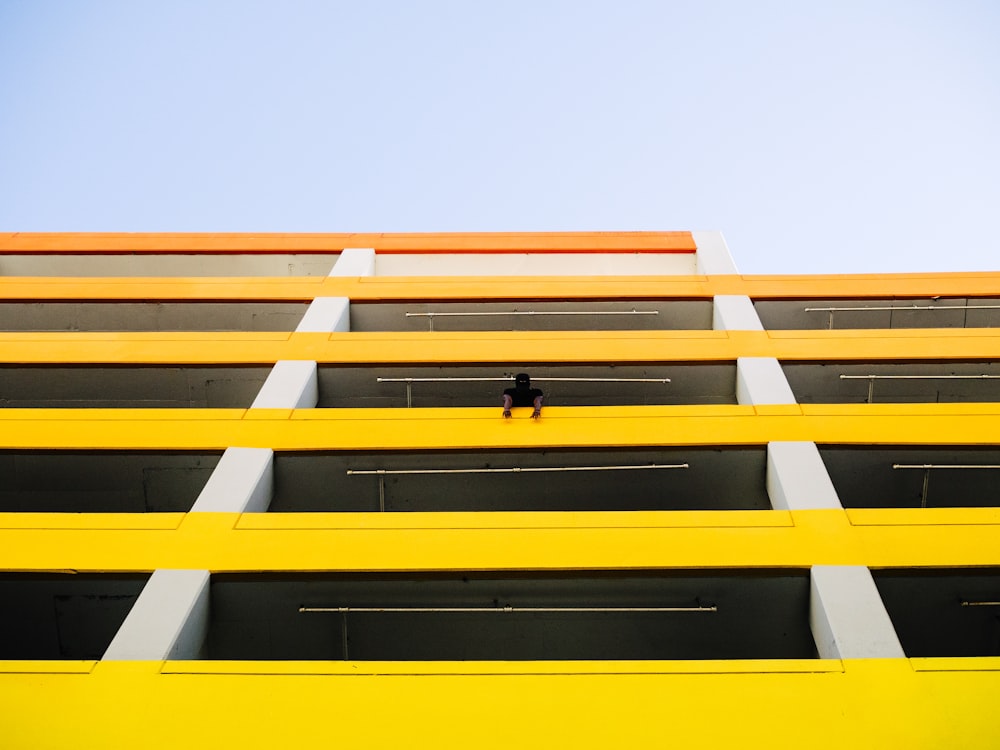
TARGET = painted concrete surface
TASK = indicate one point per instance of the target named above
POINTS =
(847, 616)
(168, 621)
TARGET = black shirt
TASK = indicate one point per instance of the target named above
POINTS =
(523, 397)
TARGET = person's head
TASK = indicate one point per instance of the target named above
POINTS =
(522, 382)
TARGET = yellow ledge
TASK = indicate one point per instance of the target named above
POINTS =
(397, 429)
(523, 346)
(869, 704)
(499, 541)
(376, 288)
(311, 242)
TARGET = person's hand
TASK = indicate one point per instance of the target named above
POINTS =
(536, 413)
(506, 413)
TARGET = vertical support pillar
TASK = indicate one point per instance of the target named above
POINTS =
(292, 384)
(333, 314)
(734, 312)
(326, 315)
(355, 261)
(242, 482)
(797, 478)
(712, 255)
(847, 615)
(168, 621)
(759, 380)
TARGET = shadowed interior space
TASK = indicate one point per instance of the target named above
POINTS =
(167, 264)
(929, 477)
(681, 614)
(104, 481)
(63, 615)
(930, 382)
(130, 386)
(531, 315)
(151, 316)
(926, 312)
(943, 612)
(488, 480)
(386, 386)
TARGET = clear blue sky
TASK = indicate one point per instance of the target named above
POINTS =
(842, 136)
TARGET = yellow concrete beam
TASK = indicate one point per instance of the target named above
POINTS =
(325, 242)
(495, 541)
(470, 347)
(866, 704)
(398, 429)
(376, 288)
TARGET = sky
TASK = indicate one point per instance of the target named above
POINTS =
(848, 136)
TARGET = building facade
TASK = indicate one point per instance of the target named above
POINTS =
(259, 490)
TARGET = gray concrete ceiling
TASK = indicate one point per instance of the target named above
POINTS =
(102, 481)
(129, 386)
(941, 381)
(147, 264)
(151, 316)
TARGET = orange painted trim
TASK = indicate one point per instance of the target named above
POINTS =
(67, 348)
(375, 288)
(249, 243)
(899, 285)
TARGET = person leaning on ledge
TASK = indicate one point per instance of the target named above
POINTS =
(522, 394)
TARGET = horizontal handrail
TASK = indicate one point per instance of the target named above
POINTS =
(512, 469)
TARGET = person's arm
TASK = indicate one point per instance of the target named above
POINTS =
(507, 402)
(538, 408)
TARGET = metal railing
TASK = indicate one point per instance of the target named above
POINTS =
(872, 378)
(933, 308)
(498, 313)
(493, 610)
(927, 474)
(509, 379)
(383, 473)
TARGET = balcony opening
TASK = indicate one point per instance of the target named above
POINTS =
(943, 612)
(758, 614)
(129, 386)
(529, 480)
(167, 264)
(492, 265)
(58, 481)
(904, 477)
(63, 616)
(151, 316)
(888, 312)
(385, 386)
(533, 315)
(906, 382)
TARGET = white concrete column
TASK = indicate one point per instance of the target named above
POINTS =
(760, 380)
(242, 482)
(333, 314)
(734, 312)
(168, 621)
(326, 315)
(292, 384)
(713, 256)
(797, 478)
(847, 615)
(355, 261)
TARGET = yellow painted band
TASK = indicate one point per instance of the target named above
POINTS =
(877, 703)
